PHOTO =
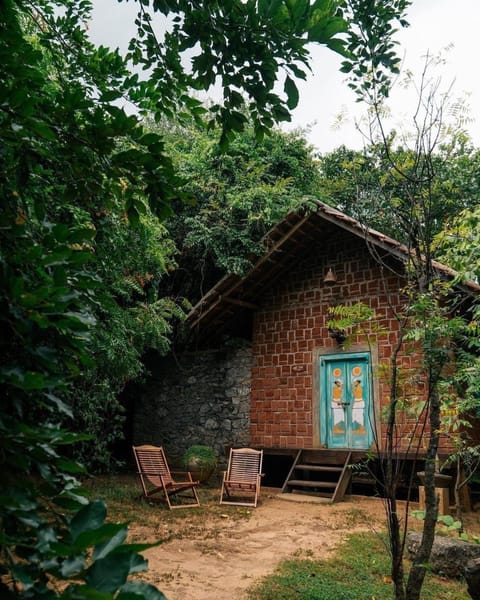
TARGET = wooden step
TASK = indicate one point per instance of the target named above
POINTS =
(321, 468)
(316, 463)
(312, 484)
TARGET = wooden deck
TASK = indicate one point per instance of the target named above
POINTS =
(333, 473)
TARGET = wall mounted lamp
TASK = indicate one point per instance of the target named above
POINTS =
(330, 278)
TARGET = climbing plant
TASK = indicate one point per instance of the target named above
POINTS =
(75, 167)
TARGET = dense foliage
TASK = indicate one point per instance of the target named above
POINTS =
(78, 288)
(63, 171)
(417, 189)
(236, 197)
(458, 244)
(368, 183)
(130, 319)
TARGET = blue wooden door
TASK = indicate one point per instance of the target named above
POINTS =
(346, 401)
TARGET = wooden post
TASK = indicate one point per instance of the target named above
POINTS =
(443, 495)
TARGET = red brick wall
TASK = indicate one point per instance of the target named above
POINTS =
(291, 327)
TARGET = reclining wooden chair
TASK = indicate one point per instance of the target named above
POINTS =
(241, 480)
(153, 471)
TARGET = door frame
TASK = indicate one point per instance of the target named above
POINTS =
(317, 353)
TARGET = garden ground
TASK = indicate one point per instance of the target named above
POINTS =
(219, 552)
(224, 555)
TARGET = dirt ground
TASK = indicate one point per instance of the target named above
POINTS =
(221, 553)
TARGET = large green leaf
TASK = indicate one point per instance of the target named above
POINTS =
(292, 93)
(109, 573)
(114, 541)
(89, 518)
(139, 591)
(72, 566)
(100, 535)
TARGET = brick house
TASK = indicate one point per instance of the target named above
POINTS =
(310, 399)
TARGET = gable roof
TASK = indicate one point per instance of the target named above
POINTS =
(282, 243)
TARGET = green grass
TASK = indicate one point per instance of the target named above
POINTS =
(355, 572)
(358, 571)
(151, 520)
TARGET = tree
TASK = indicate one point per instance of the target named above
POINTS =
(132, 318)
(432, 321)
(236, 197)
(363, 183)
(458, 244)
(243, 47)
(61, 167)
(71, 157)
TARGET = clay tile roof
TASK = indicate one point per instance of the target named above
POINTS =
(282, 243)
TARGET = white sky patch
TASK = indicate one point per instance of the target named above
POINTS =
(434, 26)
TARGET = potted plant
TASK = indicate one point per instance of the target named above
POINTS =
(200, 461)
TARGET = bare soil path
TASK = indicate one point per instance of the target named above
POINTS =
(219, 554)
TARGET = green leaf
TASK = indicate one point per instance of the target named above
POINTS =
(110, 95)
(72, 566)
(292, 93)
(84, 592)
(81, 235)
(139, 591)
(109, 573)
(43, 130)
(70, 466)
(21, 574)
(99, 535)
(89, 518)
(114, 541)
(59, 405)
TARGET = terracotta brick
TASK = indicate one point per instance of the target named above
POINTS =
(292, 325)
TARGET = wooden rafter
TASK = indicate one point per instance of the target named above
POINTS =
(282, 244)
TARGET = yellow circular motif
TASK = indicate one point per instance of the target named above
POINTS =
(337, 372)
(357, 371)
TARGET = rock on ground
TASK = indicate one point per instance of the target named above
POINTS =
(472, 575)
(449, 555)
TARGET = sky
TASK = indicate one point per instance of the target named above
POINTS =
(435, 25)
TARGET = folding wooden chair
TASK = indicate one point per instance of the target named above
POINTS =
(241, 480)
(153, 471)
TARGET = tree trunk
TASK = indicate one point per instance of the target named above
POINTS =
(394, 527)
(458, 497)
(417, 572)
(396, 549)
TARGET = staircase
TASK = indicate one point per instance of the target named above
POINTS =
(320, 473)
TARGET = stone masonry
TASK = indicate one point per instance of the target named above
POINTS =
(198, 398)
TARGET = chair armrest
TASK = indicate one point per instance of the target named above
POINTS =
(185, 474)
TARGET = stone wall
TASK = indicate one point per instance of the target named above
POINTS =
(197, 398)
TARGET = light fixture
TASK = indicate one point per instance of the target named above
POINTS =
(339, 335)
(330, 278)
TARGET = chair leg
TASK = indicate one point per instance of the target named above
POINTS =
(193, 495)
(223, 490)
(223, 493)
(194, 489)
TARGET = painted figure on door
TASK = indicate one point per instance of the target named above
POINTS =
(358, 409)
(337, 403)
